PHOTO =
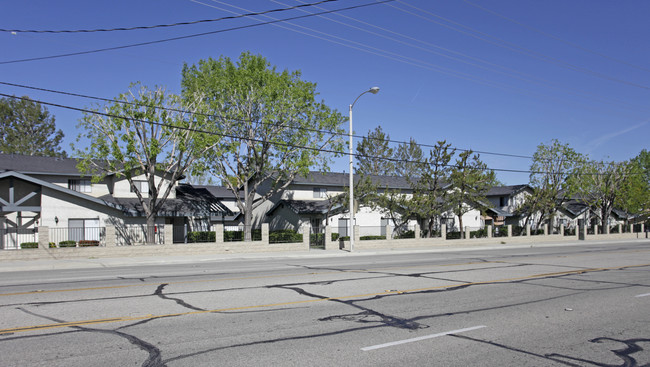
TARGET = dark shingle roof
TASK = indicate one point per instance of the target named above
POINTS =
(219, 191)
(30, 164)
(505, 190)
(305, 206)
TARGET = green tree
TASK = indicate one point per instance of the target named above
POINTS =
(272, 126)
(144, 132)
(553, 179)
(409, 158)
(635, 195)
(602, 185)
(470, 180)
(430, 189)
(27, 128)
(374, 154)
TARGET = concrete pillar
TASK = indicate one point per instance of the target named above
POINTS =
(510, 230)
(631, 228)
(527, 230)
(489, 231)
(417, 231)
(168, 232)
(329, 244)
(389, 232)
(305, 236)
(620, 228)
(218, 233)
(265, 233)
(111, 236)
(545, 229)
(357, 233)
(595, 228)
(606, 229)
(584, 229)
(467, 234)
(43, 237)
(443, 232)
(642, 227)
(562, 230)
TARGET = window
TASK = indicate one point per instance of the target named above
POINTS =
(79, 185)
(143, 187)
(320, 193)
(503, 201)
(83, 229)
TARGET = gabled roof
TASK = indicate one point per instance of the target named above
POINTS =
(305, 206)
(219, 192)
(61, 189)
(31, 164)
(500, 212)
(507, 190)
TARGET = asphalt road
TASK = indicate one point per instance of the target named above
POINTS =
(586, 305)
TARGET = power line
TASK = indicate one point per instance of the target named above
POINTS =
(513, 47)
(235, 120)
(346, 42)
(551, 36)
(322, 150)
(191, 35)
(165, 25)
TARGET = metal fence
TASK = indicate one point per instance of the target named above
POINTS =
(372, 233)
(13, 238)
(238, 233)
(136, 234)
(77, 236)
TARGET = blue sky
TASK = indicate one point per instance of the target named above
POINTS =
(497, 76)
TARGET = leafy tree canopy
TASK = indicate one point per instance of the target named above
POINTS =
(27, 128)
(271, 125)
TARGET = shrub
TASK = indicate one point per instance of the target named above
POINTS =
(68, 244)
(335, 236)
(52, 245)
(285, 236)
(344, 238)
(453, 235)
(88, 243)
(196, 236)
(29, 245)
(368, 238)
(407, 234)
(230, 236)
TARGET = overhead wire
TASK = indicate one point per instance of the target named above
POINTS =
(346, 42)
(508, 45)
(554, 37)
(504, 69)
(248, 138)
(169, 25)
(188, 36)
(236, 120)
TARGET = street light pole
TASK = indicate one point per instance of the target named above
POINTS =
(373, 90)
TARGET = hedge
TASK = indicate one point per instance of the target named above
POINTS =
(88, 243)
(367, 238)
(29, 245)
(197, 236)
(285, 236)
(68, 244)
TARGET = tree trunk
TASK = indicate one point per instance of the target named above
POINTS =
(150, 231)
(460, 223)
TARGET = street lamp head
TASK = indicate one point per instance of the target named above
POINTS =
(374, 90)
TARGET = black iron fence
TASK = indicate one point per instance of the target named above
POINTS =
(17, 238)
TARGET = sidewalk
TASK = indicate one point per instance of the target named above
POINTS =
(90, 263)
